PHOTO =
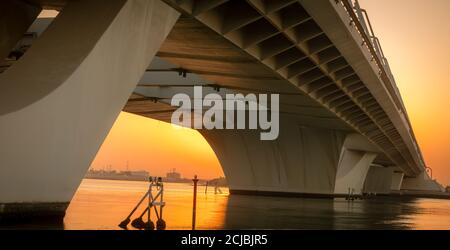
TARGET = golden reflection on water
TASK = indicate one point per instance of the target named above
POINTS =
(431, 214)
(103, 204)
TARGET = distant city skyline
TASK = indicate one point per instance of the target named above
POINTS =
(111, 167)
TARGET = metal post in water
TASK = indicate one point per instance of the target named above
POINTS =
(194, 206)
(162, 197)
(149, 205)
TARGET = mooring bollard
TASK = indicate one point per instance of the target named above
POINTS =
(194, 206)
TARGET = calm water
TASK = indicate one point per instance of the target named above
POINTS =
(102, 204)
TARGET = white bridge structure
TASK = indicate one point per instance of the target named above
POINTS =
(63, 82)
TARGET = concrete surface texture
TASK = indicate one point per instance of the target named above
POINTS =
(60, 100)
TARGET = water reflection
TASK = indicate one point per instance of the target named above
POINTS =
(248, 212)
(385, 213)
(291, 213)
(101, 204)
(40, 224)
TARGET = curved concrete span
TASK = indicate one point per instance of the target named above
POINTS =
(59, 101)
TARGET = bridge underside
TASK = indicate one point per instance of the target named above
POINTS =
(281, 48)
(340, 131)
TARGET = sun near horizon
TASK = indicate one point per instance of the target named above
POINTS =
(141, 143)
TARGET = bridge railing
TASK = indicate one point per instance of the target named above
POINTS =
(361, 22)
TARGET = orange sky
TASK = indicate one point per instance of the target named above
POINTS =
(415, 36)
(157, 147)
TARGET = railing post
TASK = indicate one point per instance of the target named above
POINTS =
(194, 205)
(361, 18)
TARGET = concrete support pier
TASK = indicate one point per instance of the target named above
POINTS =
(352, 171)
(59, 101)
(381, 180)
(304, 161)
(422, 183)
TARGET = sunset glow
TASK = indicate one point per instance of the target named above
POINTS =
(157, 147)
(415, 38)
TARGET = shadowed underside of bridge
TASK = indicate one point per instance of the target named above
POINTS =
(244, 43)
(343, 126)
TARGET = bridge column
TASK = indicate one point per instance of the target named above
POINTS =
(352, 171)
(302, 161)
(397, 180)
(15, 18)
(423, 182)
(59, 101)
(379, 180)
(357, 155)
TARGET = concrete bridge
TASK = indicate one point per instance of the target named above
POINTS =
(343, 125)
